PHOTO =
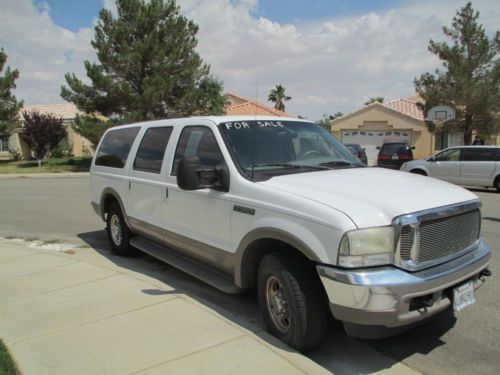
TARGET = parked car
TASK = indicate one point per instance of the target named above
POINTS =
(357, 151)
(465, 165)
(280, 206)
(393, 154)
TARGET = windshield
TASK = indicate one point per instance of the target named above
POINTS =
(262, 149)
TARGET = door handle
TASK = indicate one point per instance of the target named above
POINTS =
(166, 193)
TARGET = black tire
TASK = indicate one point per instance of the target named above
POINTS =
(419, 172)
(120, 244)
(497, 184)
(303, 326)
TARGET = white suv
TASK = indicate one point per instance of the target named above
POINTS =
(279, 205)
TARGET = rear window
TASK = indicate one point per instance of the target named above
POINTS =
(152, 149)
(396, 149)
(115, 147)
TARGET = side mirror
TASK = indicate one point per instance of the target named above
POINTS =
(413, 147)
(191, 176)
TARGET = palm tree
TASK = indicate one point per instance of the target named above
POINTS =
(375, 99)
(278, 97)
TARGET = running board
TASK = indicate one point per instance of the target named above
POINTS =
(196, 269)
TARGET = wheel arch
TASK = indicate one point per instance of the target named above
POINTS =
(419, 170)
(109, 196)
(257, 244)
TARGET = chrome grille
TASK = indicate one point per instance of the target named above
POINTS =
(426, 238)
(442, 237)
(406, 239)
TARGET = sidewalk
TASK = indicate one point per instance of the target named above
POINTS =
(44, 175)
(69, 313)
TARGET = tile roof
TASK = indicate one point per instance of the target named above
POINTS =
(407, 107)
(251, 107)
(67, 111)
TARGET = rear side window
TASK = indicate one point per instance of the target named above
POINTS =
(478, 154)
(115, 147)
(152, 149)
(198, 141)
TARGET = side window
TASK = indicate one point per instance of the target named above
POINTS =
(449, 155)
(497, 154)
(152, 149)
(197, 141)
(478, 154)
(115, 147)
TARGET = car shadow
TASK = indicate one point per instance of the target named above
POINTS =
(339, 353)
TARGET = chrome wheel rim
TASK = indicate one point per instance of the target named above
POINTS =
(116, 230)
(277, 304)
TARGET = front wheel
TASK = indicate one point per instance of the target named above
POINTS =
(292, 301)
(497, 184)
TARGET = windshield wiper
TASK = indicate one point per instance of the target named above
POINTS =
(283, 165)
(335, 163)
(288, 166)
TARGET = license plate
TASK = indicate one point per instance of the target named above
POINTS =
(395, 157)
(463, 296)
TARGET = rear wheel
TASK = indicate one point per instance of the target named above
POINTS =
(497, 184)
(418, 171)
(119, 234)
(292, 301)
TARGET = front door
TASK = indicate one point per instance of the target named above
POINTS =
(198, 220)
(446, 165)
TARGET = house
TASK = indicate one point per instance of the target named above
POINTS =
(238, 105)
(79, 146)
(73, 142)
(400, 120)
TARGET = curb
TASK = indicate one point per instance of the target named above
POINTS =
(44, 175)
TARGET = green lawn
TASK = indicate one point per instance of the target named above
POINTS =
(75, 164)
(7, 365)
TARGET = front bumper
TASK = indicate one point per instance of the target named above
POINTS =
(390, 297)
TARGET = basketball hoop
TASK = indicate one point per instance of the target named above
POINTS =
(439, 115)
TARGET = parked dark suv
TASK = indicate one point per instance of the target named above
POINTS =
(357, 151)
(394, 154)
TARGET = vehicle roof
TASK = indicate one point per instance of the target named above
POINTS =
(215, 119)
(472, 146)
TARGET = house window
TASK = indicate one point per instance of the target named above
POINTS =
(447, 139)
(4, 144)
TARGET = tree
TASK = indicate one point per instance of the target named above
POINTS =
(148, 67)
(325, 123)
(278, 97)
(471, 76)
(42, 133)
(375, 99)
(92, 127)
(9, 105)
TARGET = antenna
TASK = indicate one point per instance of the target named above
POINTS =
(256, 96)
(253, 130)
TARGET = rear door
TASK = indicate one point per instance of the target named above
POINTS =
(446, 165)
(477, 166)
(147, 189)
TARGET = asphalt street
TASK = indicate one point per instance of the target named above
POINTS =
(58, 210)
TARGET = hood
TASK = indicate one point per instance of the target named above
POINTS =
(371, 196)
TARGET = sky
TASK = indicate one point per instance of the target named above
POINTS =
(331, 55)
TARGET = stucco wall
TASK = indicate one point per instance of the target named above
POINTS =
(379, 118)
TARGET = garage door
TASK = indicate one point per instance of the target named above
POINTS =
(371, 139)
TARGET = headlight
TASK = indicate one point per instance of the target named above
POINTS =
(367, 247)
